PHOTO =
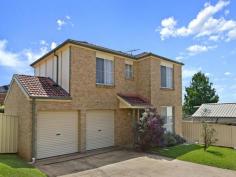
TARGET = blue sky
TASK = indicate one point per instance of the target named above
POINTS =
(202, 33)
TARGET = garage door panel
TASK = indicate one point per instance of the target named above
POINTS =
(99, 129)
(57, 133)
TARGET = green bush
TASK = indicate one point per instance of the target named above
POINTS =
(179, 139)
(171, 139)
(1, 109)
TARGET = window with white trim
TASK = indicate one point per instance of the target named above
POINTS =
(128, 71)
(104, 71)
(167, 116)
(166, 77)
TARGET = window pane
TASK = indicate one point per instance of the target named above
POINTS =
(163, 76)
(169, 77)
(166, 77)
(164, 114)
(99, 71)
(167, 116)
(108, 72)
(128, 71)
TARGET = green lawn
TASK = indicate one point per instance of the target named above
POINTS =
(214, 156)
(12, 166)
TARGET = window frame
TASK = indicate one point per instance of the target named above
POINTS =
(129, 74)
(103, 72)
(166, 123)
(171, 87)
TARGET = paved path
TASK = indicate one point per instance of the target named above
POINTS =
(130, 164)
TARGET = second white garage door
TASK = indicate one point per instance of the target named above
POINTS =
(57, 133)
(99, 129)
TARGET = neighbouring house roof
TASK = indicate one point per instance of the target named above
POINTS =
(216, 110)
(41, 87)
(133, 101)
(3, 93)
(104, 49)
(4, 88)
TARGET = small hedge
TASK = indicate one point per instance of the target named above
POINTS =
(1, 109)
(171, 139)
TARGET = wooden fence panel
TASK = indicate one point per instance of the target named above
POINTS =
(234, 136)
(226, 134)
(8, 133)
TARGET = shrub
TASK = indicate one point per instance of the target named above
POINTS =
(208, 135)
(171, 139)
(149, 130)
(1, 109)
(179, 139)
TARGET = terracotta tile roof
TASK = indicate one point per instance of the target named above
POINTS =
(135, 100)
(42, 87)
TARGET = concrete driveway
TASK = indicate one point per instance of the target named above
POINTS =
(123, 163)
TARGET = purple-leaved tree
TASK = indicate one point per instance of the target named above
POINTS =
(149, 130)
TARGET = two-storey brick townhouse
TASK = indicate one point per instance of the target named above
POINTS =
(83, 97)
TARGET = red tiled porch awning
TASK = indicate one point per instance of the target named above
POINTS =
(133, 101)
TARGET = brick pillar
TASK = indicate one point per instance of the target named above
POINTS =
(82, 132)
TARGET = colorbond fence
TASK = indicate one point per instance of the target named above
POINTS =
(226, 134)
(8, 133)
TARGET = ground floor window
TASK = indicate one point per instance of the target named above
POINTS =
(167, 116)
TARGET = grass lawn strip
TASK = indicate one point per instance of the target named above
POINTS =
(215, 156)
(12, 166)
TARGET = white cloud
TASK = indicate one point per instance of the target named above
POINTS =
(8, 58)
(204, 24)
(53, 45)
(214, 38)
(208, 74)
(20, 61)
(68, 17)
(227, 12)
(231, 35)
(189, 72)
(60, 24)
(43, 42)
(227, 73)
(196, 49)
(179, 58)
(63, 22)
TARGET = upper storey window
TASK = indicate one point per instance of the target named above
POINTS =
(104, 71)
(128, 71)
(166, 77)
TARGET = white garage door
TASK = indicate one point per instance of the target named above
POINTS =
(57, 133)
(99, 129)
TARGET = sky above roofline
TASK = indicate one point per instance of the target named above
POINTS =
(201, 34)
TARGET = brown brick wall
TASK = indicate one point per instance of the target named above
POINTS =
(17, 104)
(86, 95)
(167, 97)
